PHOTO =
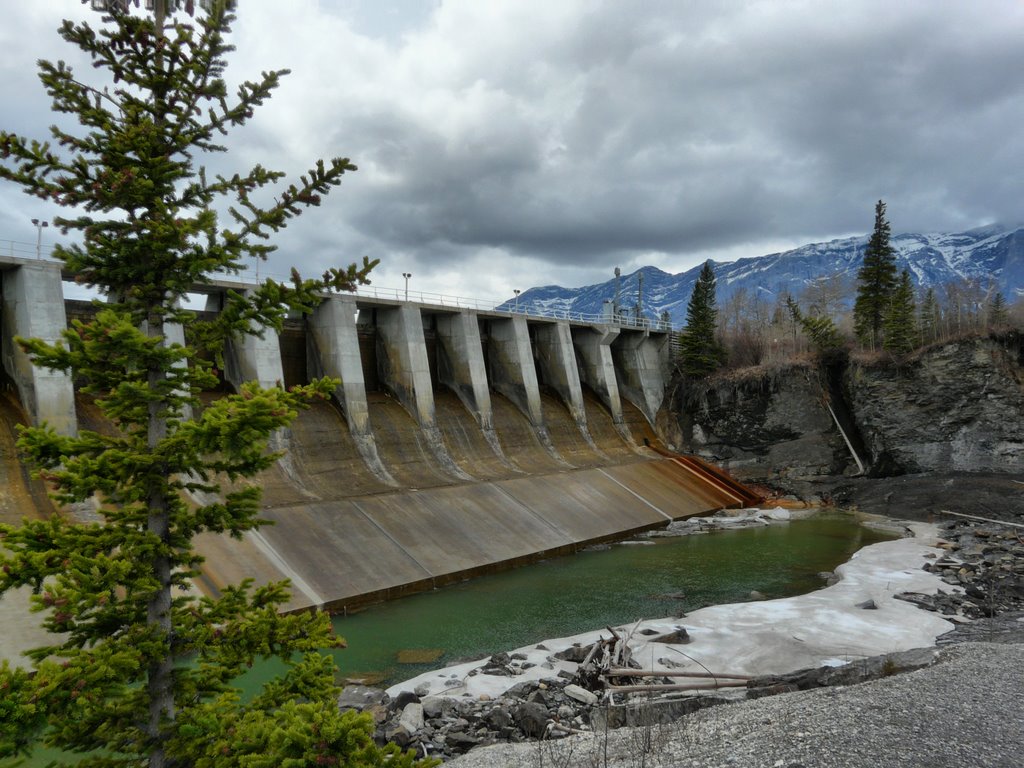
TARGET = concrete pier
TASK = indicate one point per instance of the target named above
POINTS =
(465, 370)
(333, 350)
(639, 360)
(402, 359)
(557, 360)
(33, 308)
(255, 358)
(512, 369)
(594, 348)
(405, 370)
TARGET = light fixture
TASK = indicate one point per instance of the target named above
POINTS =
(40, 226)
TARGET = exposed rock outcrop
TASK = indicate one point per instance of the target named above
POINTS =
(951, 408)
(763, 423)
(958, 407)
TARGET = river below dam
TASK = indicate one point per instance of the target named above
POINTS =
(620, 583)
(609, 585)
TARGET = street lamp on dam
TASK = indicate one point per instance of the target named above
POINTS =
(40, 226)
(516, 291)
(407, 275)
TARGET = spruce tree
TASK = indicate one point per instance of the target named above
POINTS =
(700, 353)
(998, 315)
(113, 681)
(929, 319)
(876, 281)
(901, 335)
(820, 329)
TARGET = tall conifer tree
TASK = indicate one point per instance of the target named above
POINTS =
(930, 318)
(700, 352)
(876, 282)
(998, 315)
(901, 336)
(112, 681)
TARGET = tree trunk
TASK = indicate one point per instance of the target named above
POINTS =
(158, 609)
(160, 682)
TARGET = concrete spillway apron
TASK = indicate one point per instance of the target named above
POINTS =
(645, 501)
(349, 552)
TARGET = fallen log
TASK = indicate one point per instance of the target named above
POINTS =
(652, 687)
(618, 672)
(982, 519)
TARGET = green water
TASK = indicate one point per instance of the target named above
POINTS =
(589, 590)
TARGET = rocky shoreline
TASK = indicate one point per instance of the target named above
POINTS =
(966, 709)
(980, 565)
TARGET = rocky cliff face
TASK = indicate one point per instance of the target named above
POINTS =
(959, 407)
(955, 408)
(763, 423)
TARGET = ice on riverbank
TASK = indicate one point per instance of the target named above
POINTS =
(829, 626)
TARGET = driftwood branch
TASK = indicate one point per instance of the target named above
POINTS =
(617, 672)
(983, 519)
(651, 687)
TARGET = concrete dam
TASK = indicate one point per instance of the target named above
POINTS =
(459, 440)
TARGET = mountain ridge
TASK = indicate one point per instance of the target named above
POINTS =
(992, 255)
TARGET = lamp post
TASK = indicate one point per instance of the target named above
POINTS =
(40, 226)
(407, 275)
(516, 291)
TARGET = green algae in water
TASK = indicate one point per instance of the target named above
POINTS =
(589, 590)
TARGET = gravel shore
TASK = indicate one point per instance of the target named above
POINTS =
(965, 711)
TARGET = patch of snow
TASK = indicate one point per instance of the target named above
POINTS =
(765, 637)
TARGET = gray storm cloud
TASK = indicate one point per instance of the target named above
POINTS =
(581, 135)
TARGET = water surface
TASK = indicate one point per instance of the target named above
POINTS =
(589, 590)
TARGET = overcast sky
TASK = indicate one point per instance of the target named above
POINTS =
(512, 143)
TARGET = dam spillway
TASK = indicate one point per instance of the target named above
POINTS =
(458, 441)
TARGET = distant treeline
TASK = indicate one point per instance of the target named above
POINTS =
(879, 312)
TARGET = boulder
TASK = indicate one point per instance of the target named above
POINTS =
(581, 695)
(678, 636)
(404, 698)
(360, 697)
(531, 717)
(459, 741)
(398, 735)
(412, 717)
(498, 718)
(434, 706)
(575, 653)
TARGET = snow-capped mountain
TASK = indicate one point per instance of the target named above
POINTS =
(989, 255)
